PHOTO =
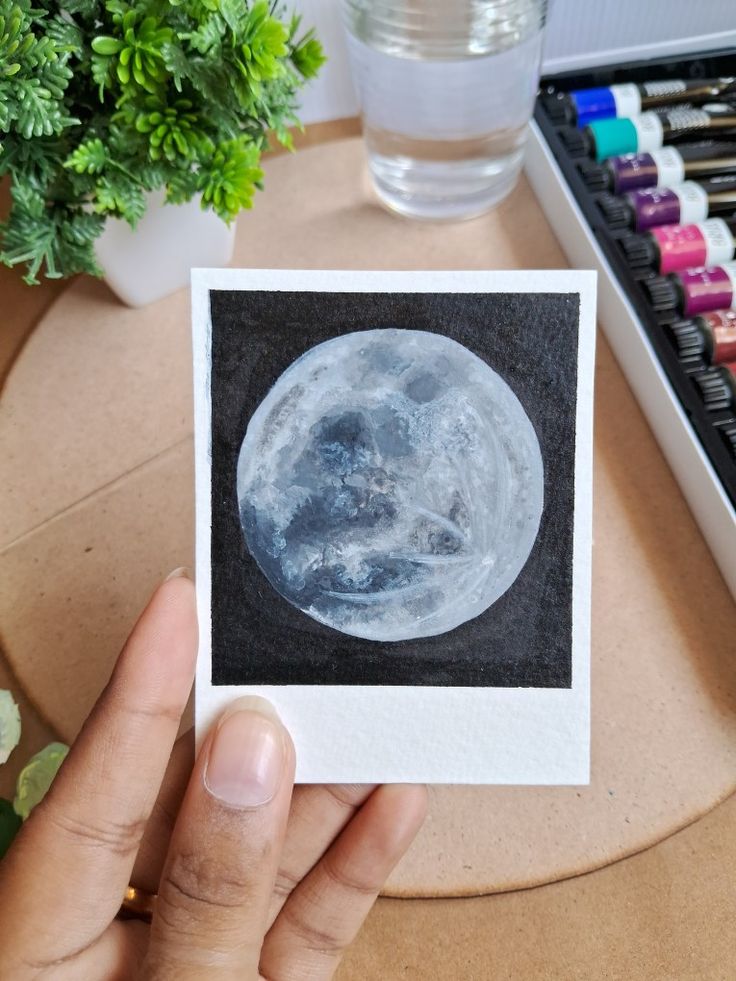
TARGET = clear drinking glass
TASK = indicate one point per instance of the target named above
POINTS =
(447, 88)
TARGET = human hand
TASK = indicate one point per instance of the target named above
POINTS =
(252, 882)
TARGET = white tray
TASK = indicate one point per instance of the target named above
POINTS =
(680, 444)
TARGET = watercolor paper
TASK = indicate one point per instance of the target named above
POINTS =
(393, 480)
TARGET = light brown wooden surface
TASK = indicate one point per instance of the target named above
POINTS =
(96, 425)
(664, 915)
(20, 310)
(667, 913)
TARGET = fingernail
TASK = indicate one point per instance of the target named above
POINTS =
(181, 573)
(246, 757)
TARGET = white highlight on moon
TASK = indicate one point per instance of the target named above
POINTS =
(390, 484)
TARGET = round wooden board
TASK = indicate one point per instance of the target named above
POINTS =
(96, 430)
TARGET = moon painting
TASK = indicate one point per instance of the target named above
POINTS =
(390, 484)
(393, 479)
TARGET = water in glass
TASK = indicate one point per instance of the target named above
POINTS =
(446, 90)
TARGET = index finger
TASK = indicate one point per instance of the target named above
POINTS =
(71, 862)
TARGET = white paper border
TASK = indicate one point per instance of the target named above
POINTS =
(380, 734)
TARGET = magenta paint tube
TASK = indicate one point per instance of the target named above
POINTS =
(668, 248)
(711, 337)
(692, 291)
(718, 387)
(660, 168)
(681, 204)
(581, 106)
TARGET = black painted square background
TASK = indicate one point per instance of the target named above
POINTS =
(524, 638)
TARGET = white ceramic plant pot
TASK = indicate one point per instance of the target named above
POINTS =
(154, 259)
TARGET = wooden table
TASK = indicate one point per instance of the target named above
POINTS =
(663, 914)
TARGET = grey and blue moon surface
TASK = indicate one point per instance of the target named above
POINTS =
(390, 484)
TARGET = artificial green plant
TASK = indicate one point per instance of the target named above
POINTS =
(103, 100)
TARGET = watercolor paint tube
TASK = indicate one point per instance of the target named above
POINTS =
(660, 168)
(711, 337)
(582, 106)
(650, 131)
(668, 248)
(728, 433)
(718, 387)
(692, 291)
(681, 204)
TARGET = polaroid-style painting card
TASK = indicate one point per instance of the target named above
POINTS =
(393, 481)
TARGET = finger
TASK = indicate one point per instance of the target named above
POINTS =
(318, 815)
(325, 912)
(118, 953)
(71, 863)
(151, 855)
(213, 897)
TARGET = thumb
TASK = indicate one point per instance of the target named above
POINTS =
(215, 891)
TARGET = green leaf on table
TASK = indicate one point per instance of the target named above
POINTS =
(37, 776)
(10, 824)
(9, 725)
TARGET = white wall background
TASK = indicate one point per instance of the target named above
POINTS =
(580, 33)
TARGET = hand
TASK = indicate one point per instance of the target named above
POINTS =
(252, 881)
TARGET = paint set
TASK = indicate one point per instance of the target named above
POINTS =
(635, 166)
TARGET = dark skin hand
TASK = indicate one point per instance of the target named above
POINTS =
(255, 878)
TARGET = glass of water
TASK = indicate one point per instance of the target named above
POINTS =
(446, 88)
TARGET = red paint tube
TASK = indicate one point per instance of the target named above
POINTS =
(711, 337)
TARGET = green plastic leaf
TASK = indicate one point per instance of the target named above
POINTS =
(308, 56)
(106, 45)
(88, 8)
(65, 33)
(90, 157)
(37, 776)
(100, 72)
(10, 824)
(39, 113)
(120, 196)
(233, 11)
(228, 185)
(9, 725)
(208, 36)
(181, 186)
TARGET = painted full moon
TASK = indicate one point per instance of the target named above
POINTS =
(390, 484)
